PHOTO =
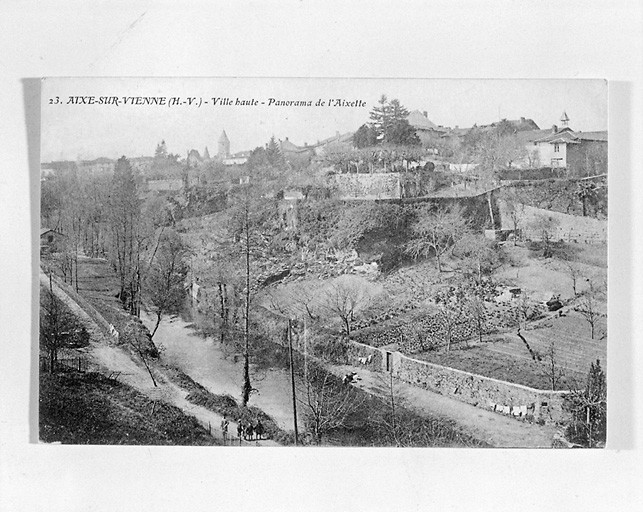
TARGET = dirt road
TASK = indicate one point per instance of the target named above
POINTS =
(111, 360)
(495, 429)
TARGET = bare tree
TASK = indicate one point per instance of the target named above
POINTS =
(590, 306)
(142, 345)
(451, 314)
(516, 213)
(523, 311)
(552, 369)
(166, 276)
(251, 215)
(573, 271)
(344, 297)
(327, 404)
(435, 231)
(479, 255)
(58, 327)
(545, 227)
(476, 309)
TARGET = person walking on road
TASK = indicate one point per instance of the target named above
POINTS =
(224, 428)
(259, 429)
(239, 431)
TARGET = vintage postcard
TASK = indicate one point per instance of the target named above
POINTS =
(323, 262)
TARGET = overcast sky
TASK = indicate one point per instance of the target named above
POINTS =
(71, 131)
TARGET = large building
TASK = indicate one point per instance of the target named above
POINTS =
(427, 131)
(581, 153)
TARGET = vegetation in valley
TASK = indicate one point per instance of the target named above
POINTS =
(89, 408)
(273, 242)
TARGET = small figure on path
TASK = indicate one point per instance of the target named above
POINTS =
(224, 428)
(249, 432)
(239, 430)
(349, 378)
(259, 429)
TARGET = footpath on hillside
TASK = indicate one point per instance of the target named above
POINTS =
(497, 430)
(111, 360)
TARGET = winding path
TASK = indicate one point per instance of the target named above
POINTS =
(107, 358)
(497, 430)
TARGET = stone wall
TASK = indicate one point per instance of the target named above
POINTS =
(569, 228)
(485, 392)
(368, 186)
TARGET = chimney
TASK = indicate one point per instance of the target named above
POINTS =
(522, 119)
(305, 144)
(554, 129)
(286, 138)
(456, 127)
(426, 114)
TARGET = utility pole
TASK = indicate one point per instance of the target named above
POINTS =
(292, 379)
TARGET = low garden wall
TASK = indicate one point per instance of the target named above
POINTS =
(491, 394)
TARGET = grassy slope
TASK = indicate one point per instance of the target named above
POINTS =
(91, 409)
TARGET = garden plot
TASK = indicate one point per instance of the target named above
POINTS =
(574, 350)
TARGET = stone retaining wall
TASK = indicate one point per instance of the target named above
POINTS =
(569, 228)
(491, 394)
(383, 185)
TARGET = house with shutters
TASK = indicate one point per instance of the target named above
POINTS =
(581, 153)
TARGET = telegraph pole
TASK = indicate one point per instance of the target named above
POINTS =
(292, 379)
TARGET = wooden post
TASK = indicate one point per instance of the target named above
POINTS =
(292, 379)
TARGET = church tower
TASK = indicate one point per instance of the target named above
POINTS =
(564, 120)
(224, 146)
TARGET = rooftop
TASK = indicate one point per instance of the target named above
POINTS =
(419, 121)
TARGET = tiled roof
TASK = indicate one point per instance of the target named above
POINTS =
(345, 137)
(289, 147)
(419, 121)
(600, 136)
(532, 135)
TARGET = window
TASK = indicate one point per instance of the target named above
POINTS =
(556, 148)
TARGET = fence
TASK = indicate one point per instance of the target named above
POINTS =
(79, 364)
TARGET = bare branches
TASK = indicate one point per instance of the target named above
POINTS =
(344, 297)
(435, 231)
(327, 404)
(590, 306)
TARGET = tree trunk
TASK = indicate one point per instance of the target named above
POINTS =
(493, 220)
(159, 313)
(147, 367)
(76, 262)
(247, 386)
(531, 352)
(347, 325)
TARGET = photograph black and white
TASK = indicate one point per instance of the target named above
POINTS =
(323, 262)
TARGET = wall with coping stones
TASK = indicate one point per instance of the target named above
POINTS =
(491, 394)
(383, 185)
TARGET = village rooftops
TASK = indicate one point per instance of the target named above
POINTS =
(567, 136)
(420, 121)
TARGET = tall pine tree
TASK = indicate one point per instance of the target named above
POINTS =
(124, 220)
